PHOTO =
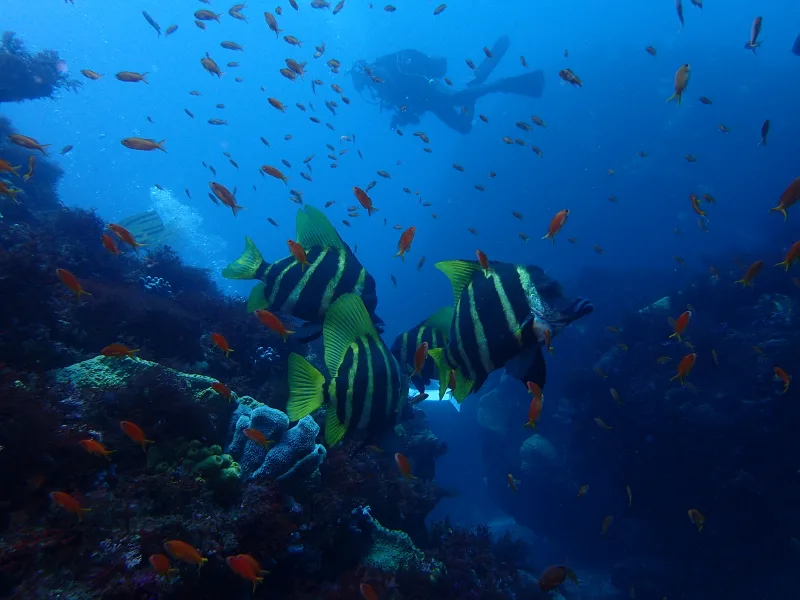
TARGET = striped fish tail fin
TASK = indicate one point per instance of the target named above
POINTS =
(305, 388)
(247, 265)
(437, 354)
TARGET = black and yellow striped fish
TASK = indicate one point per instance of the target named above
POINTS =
(433, 330)
(493, 322)
(366, 387)
(306, 293)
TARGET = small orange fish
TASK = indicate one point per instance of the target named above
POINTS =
(681, 83)
(512, 483)
(225, 196)
(109, 244)
(118, 351)
(27, 142)
(615, 396)
(751, 273)
(160, 564)
(135, 433)
(221, 343)
(583, 489)
(696, 205)
(145, 144)
(256, 436)
(755, 29)
(404, 245)
(125, 236)
(685, 367)
(246, 567)
(537, 403)
(556, 224)
(420, 355)
(273, 322)
(367, 591)
(364, 200)
(222, 389)
(788, 198)
(570, 77)
(483, 261)
(681, 324)
(299, 253)
(68, 503)
(607, 523)
(184, 552)
(554, 576)
(276, 173)
(783, 376)
(69, 280)
(403, 465)
(31, 164)
(602, 424)
(791, 256)
(651, 51)
(96, 448)
(697, 518)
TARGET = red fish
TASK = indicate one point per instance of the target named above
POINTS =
(273, 322)
(184, 552)
(681, 324)
(554, 576)
(791, 256)
(535, 409)
(403, 465)
(367, 591)
(68, 503)
(69, 280)
(751, 273)
(96, 448)
(299, 253)
(483, 261)
(364, 200)
(246, 567)
(221, 343)
(256, 436)
(783, 376)
(681, 83)
(404, 245)
(135, 433)
(118, 351)
(222, 390)
(160, 564)
(125, 236)
(685, 367)
(755, 29)
(556, 224)
(109, 244)
(512, 483)
(789, 197)
(419, 358)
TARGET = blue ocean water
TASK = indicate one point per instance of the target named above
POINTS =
(591, 151)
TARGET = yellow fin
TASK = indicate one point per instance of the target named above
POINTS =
(305, 388)
(334, 430)
(463, 387)
(314, 229)
(437, 354)
(460, 273)
(346, 320)
(257, 300)
(247, 265)
(441, 320)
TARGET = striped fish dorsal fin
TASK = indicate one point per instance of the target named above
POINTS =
(334, 430)
(257, 300)
(441, 320)
(460, 273)
(346, 320)
(247, 265)
(314, 229)
(305, 388)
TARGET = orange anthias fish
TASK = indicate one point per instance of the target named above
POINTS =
(681, 83)
(69, 280)
(483, 261)
(31, 165)
(755, 29)
(145, 144)
(404, 245)
(696, 205)
(135, 433)
(570, 77)
(27, 142)
(583, 489)
(367, 591)
(273, 322)
(246, 567)
(68, 503)
(222, 389)
(256, 436)
(109, 244)
(783, 376)
(272, 171)
(125, 236)
(221, 343)
(556, 224)
(697, 518)
(118, 351)
(5, 167)
(96, 448)
(512, 483)
(607, 523)
(791, 256)
(685, 367)
(364, 200)
(537, 402)
(681, 324)
(788, 198)
(184, 552)
(751, 273)
(403, 465)
(299, 253)
(160, 564)
(554, 576)
(420, 355)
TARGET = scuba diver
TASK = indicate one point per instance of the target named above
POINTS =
(411, 83)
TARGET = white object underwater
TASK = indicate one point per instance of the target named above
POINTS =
(433, 395)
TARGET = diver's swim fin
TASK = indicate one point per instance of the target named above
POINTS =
(488, 65)
(530, 85)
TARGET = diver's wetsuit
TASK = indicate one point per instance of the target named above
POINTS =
(411, 84)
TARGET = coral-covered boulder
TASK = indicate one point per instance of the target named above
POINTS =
(295, 453)
(537, 455)
(389, 550)
(112, 374)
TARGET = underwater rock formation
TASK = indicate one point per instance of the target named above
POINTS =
(26, 76)
(295, 453)
(390, 551)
